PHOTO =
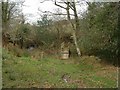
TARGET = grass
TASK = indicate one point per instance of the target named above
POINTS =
(24, 72)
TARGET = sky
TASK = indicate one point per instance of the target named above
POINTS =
(30, 9)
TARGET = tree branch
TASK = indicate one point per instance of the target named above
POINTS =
(62, 14)
(11, 7)
(59, 5)
(54, 13)
(71, 6)
(43, 1)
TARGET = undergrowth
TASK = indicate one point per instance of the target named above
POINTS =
(48, 72)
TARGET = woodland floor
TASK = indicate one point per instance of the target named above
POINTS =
(84, 72)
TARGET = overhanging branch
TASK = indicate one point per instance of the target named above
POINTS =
(59, 5)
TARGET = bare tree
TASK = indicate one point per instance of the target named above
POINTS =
(71, 5)
(10, 10)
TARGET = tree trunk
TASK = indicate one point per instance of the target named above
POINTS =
(76, 18)
(74, 29)
(76, 44)
(68, 13)
(77, 29)
(5, 16)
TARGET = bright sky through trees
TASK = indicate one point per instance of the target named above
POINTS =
(30, 9)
